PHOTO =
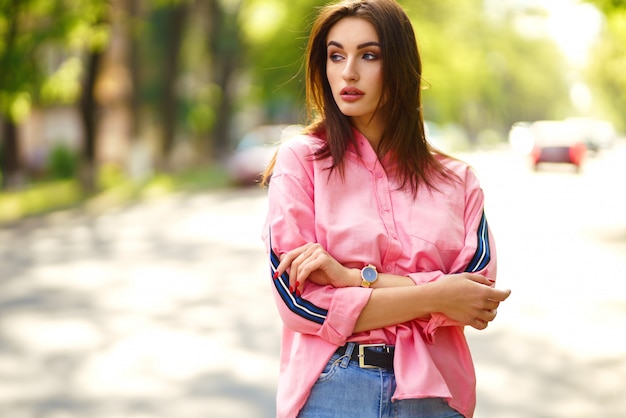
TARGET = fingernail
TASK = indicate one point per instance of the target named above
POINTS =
(297, 283)
(290, 289)
(298, 292)
(276, 274)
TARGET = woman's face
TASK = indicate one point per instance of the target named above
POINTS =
(354, 68)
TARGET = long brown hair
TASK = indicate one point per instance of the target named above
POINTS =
(404, 136)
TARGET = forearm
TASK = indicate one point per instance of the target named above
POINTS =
(384, 280)
(395, 305)
(466, 298)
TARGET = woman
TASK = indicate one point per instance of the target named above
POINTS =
(379, 246)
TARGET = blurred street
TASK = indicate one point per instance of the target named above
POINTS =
(163, 309)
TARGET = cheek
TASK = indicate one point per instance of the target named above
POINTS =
(333, 78)
(376, 82)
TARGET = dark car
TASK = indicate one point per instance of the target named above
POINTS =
(255, 150)
(557, 142)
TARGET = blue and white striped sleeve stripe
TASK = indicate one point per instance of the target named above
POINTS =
(482, 257)
(296, 304)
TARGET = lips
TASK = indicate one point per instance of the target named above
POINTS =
(351, 94)
(351, 91)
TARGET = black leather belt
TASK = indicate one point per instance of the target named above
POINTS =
(371, 356)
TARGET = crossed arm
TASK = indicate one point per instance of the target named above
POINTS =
(465, 297)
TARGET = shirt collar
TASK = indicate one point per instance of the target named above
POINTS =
(364, 149)
(368, 155)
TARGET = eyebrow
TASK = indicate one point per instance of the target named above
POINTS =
(361, 46)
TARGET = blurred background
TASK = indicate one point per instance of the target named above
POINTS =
(96, 93)
(131, 266)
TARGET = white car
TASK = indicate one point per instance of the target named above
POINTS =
(255, 150)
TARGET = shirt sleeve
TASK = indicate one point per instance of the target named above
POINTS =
(478, 254)
(328, 312)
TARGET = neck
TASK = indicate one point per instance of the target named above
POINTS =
(370, 128)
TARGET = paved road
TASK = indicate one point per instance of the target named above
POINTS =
(161, 309)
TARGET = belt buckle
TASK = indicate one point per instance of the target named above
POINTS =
(362, 348)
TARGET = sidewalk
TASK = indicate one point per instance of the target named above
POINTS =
(153, 311)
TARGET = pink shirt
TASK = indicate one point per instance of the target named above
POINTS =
(362, 219)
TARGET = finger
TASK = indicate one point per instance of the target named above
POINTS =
(489, 315)
(479, 278)
(289, 257)
(500, 295)
(305, 269)
(300, 270)
(491, 305)
(479, 324)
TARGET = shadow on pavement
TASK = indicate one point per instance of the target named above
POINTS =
(146, 311)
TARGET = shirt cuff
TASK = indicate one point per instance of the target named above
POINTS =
(343, 313)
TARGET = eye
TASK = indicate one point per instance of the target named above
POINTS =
(370, 56)
(335, 57)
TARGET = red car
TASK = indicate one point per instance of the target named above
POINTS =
(557, 142)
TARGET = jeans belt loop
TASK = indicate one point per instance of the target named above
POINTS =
(346, 358)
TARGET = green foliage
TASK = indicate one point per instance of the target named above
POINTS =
(63, 86)
(62, 163)
(110, 176)
(277, 37)
(609, 6)
(479, 72)
(605, 71)
(61, 194)
(40, 198)
(40, 42)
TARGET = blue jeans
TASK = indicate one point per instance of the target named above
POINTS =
(346, 390)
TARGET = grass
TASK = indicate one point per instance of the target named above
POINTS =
(116, 190)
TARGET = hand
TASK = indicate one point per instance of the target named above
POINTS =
(312, 262)
(470, 299)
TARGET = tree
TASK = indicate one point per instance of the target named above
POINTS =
(277, 37)
(605, 71)
(481, 72)
(23, 24)
(60, 30)
(226, 50)
(97, 20)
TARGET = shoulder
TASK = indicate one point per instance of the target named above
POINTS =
(300, 145)
(298, 149)
(296, 156)
(464, 172)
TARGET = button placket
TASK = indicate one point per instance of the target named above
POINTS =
(383, 196)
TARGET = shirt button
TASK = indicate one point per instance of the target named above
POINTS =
(388, 268)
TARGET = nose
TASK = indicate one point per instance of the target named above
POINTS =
(350, 72)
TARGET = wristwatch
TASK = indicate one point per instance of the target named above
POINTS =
(368, 275)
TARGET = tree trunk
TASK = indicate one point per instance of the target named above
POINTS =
(9, 153)
(89, 115)
(134, 68)
(9, 148)
(176, 22)
(226, 50)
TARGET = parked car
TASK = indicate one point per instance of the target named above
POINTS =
(557, 142)
(597, 134)
(255, 150)
(521, 138)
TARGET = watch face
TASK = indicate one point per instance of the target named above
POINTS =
(369, 274)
